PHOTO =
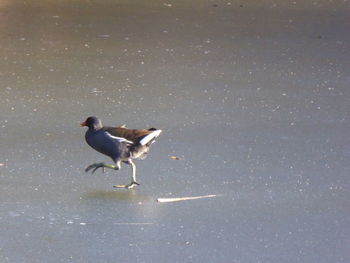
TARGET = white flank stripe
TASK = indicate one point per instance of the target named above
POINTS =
(120, 139)
(150, 137)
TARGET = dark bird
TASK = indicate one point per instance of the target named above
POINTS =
(119, 143)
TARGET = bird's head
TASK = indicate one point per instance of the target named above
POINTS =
(92, 122)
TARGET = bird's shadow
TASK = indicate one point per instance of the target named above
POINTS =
(115, 195)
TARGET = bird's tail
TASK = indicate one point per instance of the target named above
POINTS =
(149, 138)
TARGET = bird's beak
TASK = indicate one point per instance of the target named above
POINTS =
(83, 124)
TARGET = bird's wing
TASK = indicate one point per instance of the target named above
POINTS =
(119, 139)
(134, 135)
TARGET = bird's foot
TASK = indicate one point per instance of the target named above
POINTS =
(95, 166)
(127, 186)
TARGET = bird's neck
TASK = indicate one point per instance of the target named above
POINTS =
(95, 128)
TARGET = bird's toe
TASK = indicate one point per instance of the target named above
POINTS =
(94, 166)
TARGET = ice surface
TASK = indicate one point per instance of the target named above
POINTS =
(252, 97)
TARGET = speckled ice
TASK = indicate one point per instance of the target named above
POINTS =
(252, 97)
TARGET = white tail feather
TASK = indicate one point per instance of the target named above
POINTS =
(150, 137)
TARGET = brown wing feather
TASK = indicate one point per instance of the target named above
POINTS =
(133, 135)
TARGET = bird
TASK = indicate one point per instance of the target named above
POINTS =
(121, 144)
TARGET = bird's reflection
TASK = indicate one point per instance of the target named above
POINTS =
(129, 196)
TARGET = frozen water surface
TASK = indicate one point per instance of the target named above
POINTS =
(252, 96)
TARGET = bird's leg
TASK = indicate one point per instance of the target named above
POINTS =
(133, 180)
(95, 166)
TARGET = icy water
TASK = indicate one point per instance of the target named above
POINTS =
(252, 96)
